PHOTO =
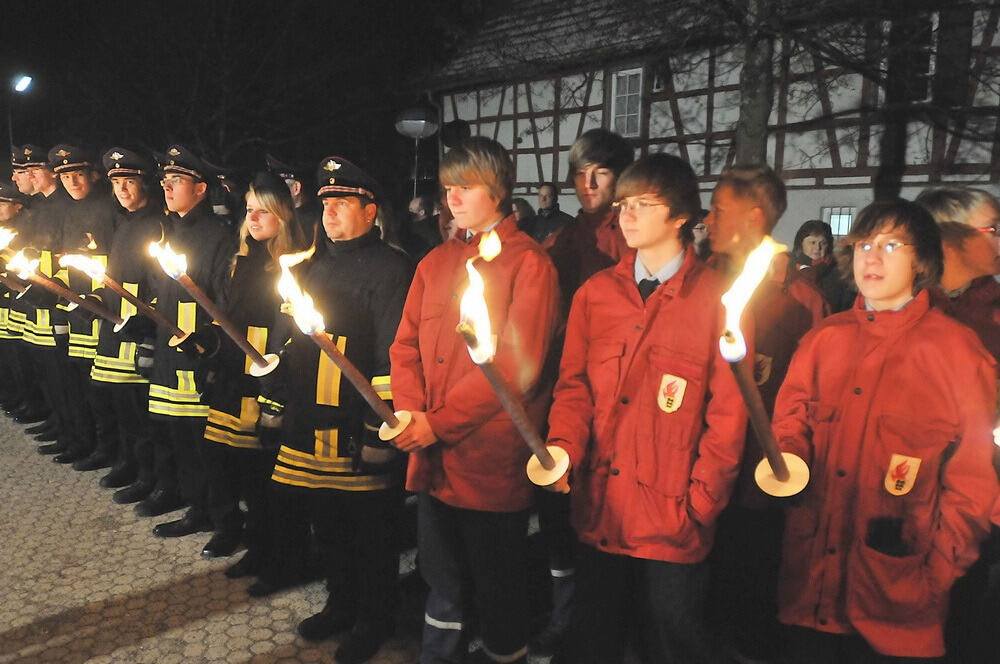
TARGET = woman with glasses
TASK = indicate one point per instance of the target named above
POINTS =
(891, 405)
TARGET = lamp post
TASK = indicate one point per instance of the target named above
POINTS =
(19, 84)
(416, 123)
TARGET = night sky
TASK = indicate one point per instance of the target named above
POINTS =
(229, 78)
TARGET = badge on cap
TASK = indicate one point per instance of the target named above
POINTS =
(27, 152)
(902, 474)
(116, 155)
(671, 393)
(62, 153)
(762, 368)
(173, 152)
(331, 165)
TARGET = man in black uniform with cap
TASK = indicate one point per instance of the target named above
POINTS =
(208, 244)
(331, 456)
(15, 386)
(307, 212)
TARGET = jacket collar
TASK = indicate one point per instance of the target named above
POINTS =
(506, 227)
(342, 247)
(626, 270)
(608, 218)
(887, 321)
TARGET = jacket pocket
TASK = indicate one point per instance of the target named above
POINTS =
(670, 420)
(890, 588)
(604, 363)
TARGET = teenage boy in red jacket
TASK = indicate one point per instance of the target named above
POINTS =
(467, 459)
(653, 423)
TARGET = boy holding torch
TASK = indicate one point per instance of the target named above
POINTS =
(654, 425)
(467, 458)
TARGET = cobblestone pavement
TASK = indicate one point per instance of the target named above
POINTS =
(84, 580)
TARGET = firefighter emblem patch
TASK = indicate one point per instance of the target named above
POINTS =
(671, 393)
(902, 474)
(761, 368)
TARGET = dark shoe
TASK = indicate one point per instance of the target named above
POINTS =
(70, 456)
(52, 448)
(221, 545)
(264, 586)
(159, 502)
(29, 416)
(47, 436)
(122, 474)
(192, 522)
(362, 643)
(248, 565)
(480, 657)
(547, 642)
(133, 493)
(42, 427)
(326, 623)
(95, 461)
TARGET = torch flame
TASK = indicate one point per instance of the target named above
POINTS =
(92, 267)
(6, 236)
(91, 244)
(306, 317)
(472, 307)
(23, 267)
(173, 264)
(996, 436)
(733, 345)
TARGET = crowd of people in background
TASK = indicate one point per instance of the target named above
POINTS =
(873, 353)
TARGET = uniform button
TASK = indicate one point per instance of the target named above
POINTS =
(638, 328)
(822, 621)
(624, 399)
(857, 390)
(604, 541)
(614, 471)
(440, 360)
(841, 472)
(870, 317)
(831, 551)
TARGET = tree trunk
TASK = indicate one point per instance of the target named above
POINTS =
(756, 88)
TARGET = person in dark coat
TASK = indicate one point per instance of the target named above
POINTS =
(813, 251)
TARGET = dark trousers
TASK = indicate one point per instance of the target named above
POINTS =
(807, 646)
(289, 539)
(130, 403)
(971, 631)
(81, 434)
(744, 588)
(236, 474)
(472, 560)
(45, 362)
(21, 383)
(359, 553)
(559, 539)
(186, 439)
(664, 601)
(100, 400)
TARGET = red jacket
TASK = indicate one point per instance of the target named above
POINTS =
(892, 411)
(649, 413)
(480, 459)
(979, 308)
(584, 247)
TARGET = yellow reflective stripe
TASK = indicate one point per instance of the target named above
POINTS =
(103, 376)
(340, 482)
(176, 410)
(268, 402)
(103, 259)
(326, 443)
(84, 339)
(45, 262)
(294, 457)
(187, 313)
(257, 336)
(127, 308)
(383, 387)
(83, 353)
(328, 376)
(229, 438)
(106, 362)
(185, 382)
(247, 421)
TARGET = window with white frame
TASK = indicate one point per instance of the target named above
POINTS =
(839, 218)
(626, 98)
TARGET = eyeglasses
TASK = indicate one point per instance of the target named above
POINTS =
(173, 180)
(888, 248)
(636, 206)
(701, 228)
(992, 230)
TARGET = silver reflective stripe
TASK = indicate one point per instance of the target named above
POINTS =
(561, 573)
(440, 624)
(513, 657)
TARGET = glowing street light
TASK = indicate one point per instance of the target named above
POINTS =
(21, 83)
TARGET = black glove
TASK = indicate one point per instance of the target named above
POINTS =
(136, 328)
(203, 342)
(38, 297)
(374, 456)
(205, 376)
(81, 315)
(269, 424)
(885, 534)
(273, 382)
(144, 359)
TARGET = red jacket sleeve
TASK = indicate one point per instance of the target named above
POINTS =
(572, 412)
(407, 371)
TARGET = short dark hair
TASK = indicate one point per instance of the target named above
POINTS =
(810, 228)
(761, 184)
(912, 219)
(602, 147)
(552, 185)
(955, 233)
(666, 176)
(480, 160)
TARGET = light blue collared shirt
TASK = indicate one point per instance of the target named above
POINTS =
(665, 272)
(470, 233)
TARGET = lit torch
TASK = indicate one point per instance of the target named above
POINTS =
(549, 463)
(175, 266)
(312, 324)
(6, 237)
(94, 269)
(778, 473)
(25, 270)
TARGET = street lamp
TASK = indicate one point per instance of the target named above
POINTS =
(19, 84)
(417, 123)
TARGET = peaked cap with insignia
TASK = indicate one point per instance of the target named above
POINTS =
(10, 193)
(122, 162)
(285, 170)
(32, 155)
(64, 158)
(337, 177)
(182, 161)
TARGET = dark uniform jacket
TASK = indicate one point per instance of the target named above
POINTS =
(253, 305)
(359, 287)
(131, 265)
(209, 245)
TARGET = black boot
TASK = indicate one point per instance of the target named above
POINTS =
(362, 643)
(248, 565)
(221, 545)
(42, 427)
(193, 521)
(122, 474)
(95, 461)
(52, 448)
(326, 623)
(159, 502)
(133, 493)
(70, 456)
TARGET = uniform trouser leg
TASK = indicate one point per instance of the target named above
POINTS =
(478, 556)
(356, 534)
(82, 438)
(553, 522)
(55, 374)
(289, 535)
(131, 412)
(16, 384)
(165, 467)
(187, 440)
(807, 646)
(42, 363)
(99, 396)
(30, 384)
(256, 473)
(223, 474)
